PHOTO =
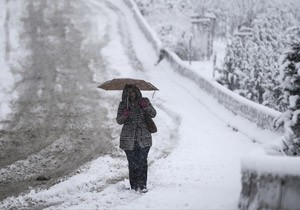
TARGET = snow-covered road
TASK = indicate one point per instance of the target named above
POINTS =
(195, 159)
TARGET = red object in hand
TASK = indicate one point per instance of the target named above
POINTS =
(144, 103)
(126, 113)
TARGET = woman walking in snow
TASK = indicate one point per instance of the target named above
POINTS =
(135, 138)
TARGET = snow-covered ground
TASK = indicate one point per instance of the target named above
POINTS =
(199, 167)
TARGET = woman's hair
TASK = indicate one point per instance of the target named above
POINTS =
(132, 87)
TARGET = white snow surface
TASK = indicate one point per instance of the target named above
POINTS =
(258, 159)
(195, 160)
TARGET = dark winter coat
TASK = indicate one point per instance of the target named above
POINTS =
(134, 127)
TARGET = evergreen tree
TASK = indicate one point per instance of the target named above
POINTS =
(290, 78)
(232, 62)
(254, 60)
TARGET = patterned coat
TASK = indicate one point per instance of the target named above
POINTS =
(134, 127)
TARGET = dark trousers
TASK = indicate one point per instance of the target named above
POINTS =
(138, 166)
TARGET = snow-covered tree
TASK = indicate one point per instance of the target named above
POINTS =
(255, 57)
(245, 11)
(232, 64)
(290, 78)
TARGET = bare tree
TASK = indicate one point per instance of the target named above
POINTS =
(247, 10)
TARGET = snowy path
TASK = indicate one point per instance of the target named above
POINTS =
(195, 160)
(203, 171)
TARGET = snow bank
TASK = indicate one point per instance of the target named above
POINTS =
(270, 181)
(263, 162)
(259, 114)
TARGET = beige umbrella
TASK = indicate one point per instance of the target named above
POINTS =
(119, 84)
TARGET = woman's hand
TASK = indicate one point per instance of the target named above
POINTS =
(143, 103)
(126, 113)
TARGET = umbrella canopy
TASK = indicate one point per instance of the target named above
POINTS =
(119, 84)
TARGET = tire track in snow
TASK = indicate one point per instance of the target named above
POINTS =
(57, 126)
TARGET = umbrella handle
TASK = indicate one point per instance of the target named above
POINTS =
(153, 94)
(127, 99)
